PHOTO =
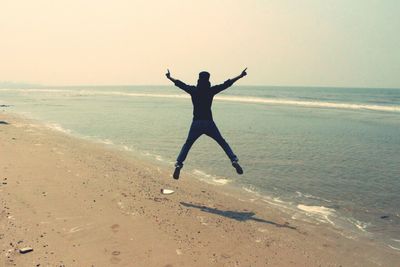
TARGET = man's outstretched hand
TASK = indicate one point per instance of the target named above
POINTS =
(168, 74)
(244, 73)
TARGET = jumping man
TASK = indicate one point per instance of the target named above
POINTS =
(202, 96)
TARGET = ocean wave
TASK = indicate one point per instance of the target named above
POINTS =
(36, 90)
(241, 99)
(299, 194)
(314, 104)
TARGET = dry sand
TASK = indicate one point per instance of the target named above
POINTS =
(78, 203)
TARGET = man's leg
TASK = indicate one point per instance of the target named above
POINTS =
(194, 133)
(214, 133)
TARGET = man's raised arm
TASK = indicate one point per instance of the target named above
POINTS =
(178, 83)
(228, 83)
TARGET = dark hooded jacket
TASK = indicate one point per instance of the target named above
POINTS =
(202, 96)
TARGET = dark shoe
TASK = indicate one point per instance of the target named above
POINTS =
(177, 171)
(236, 165)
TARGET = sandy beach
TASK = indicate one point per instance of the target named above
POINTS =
(79, 203)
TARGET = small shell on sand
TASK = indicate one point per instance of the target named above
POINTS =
(167, 191)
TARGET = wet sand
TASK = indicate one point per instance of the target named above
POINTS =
(78, 203)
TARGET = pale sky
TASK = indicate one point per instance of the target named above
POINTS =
(282, 42)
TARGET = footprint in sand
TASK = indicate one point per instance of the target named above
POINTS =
(115, 253)
(115, 228)
(202, 220)
(115, 260)
(76, 229)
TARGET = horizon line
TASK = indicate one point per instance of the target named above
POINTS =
(247, 85)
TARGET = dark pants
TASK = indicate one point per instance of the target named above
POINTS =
(209, 128)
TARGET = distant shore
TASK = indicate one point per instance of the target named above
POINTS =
(78, 203)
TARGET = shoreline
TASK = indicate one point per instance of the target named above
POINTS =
(188, 221)
(325, 216)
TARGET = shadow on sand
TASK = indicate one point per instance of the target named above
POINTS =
(4, 122)
(236, 215)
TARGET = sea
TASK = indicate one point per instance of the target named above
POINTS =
(324, 155)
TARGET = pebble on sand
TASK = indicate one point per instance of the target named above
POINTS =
(25, 250)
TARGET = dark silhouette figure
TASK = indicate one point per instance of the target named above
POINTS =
(202, 96)
(236, 215)
(4, 122)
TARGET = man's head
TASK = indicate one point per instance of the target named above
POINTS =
(204, 79)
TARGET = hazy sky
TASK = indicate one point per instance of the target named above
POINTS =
(282, 42)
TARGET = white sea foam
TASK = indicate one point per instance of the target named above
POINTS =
(148, 154)
(221, 181)
(127, 148)
(199, 172)
(243, 99)
(154, 156)
(277, 199)
(57, 127)
(320, 213)
(321, 210)
(311, 196)
(393, 247)
(211, 178)
(283, 206)
(106, 141)
(362, 226)
(250, 189)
